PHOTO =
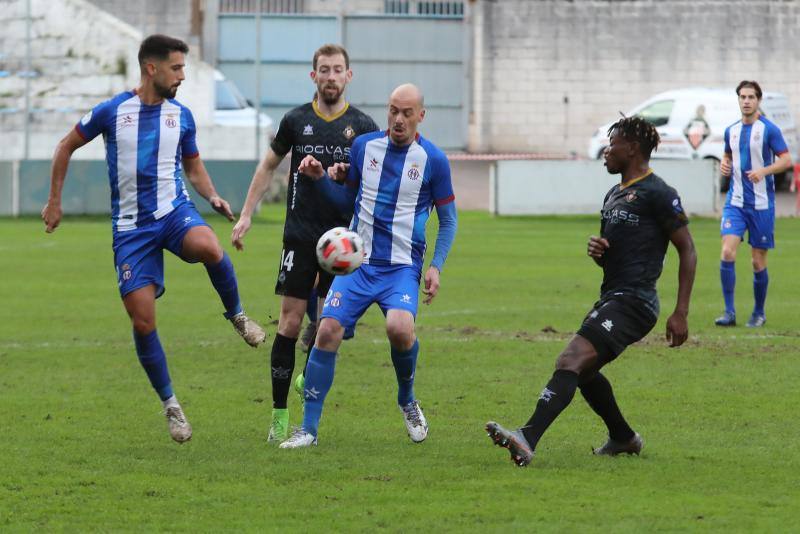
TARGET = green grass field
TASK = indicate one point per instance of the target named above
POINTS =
(83, 444)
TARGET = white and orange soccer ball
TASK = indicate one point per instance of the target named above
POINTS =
(340, 251)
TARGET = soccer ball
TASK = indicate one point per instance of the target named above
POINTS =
(340, 251)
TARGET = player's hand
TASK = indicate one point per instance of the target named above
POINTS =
(221, 206)
(311, 167)
(756, 175)
(239, 230)
(597, 246)
(338, 171)
(51, 215)
(677, 329)
(431, 284)
(725, 167)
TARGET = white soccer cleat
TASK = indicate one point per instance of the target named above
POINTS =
(179, 427)
(250, 331)
(416, 424)
(298, 440)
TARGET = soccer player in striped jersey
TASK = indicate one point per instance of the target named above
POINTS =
(150, 144)
(754, 152)
(395, 178)
(326, 127)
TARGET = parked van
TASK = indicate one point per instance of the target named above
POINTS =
(233, 109)
(692, 122)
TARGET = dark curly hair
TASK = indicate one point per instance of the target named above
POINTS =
(639, 130)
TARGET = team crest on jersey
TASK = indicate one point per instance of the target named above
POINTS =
(349, 133)
(630, 197)
(170, 122)
(413, 172)
(676, 205)
(308, 130)
(757, 137)
(86, 118)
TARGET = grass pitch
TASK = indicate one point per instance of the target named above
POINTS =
(83, 445)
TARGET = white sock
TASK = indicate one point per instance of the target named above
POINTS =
(170, 402)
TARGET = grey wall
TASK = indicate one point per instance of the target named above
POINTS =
(604, 56)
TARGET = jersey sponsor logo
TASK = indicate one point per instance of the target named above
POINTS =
(621, 216)
(607, 324)
(348, 132)
(338, 153)
(308, 130)
(86, 118)
(413, 172)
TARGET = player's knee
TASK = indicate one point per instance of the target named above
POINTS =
(329, 334)
(574, 360)
(401, 338)
(728, 253)
(143, 325)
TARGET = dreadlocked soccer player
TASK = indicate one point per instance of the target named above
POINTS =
(639, 217)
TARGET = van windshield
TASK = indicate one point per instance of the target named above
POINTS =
(657, 113)
(228, 96)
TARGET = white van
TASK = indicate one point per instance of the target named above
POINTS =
(692, 122)
(233, 109)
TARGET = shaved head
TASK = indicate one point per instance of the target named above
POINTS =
(406, 111)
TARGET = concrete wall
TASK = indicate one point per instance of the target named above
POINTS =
(527, 187)
(549, 72)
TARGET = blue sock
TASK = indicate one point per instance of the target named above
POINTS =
(760, 283)
(319, 378)
(223, 278)
(151, 356)
(405, 362)
(727, 274)
(311, 307)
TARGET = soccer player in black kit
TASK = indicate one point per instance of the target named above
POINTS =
(324, 128)
(640, 216)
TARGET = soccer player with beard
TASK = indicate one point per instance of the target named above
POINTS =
(324, 128)
(640, 216)
(148, 135)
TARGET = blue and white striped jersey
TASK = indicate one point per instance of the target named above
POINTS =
(755, 146)
(144, 148)
(397, 189)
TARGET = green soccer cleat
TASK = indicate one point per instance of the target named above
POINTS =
(299, 386)
(279, 429)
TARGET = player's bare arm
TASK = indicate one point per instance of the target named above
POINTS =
(311, 167)
(782, 164)
(431, 284)
(51, 212)
(725, 166)
(261, 181)
(677, 325)
(198, 176)
(596, 248)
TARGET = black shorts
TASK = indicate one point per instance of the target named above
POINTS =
(615, 323)
(298, 272)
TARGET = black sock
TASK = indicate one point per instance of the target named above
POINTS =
(600, 396)
(308, 352)
(282, 363)
(554, 398)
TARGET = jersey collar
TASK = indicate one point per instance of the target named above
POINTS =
(329, 118)
(637, 179)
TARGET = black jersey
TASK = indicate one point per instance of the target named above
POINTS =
(304, 130)
(637, 221)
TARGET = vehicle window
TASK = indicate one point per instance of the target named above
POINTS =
(657, 113)
(228, 96)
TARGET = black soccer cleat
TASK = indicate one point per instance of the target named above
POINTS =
(726, 319)
(513, 440)
(613, 448)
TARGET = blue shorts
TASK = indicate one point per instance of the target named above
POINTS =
(138, 253)
(391, 286)
(760, 225)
